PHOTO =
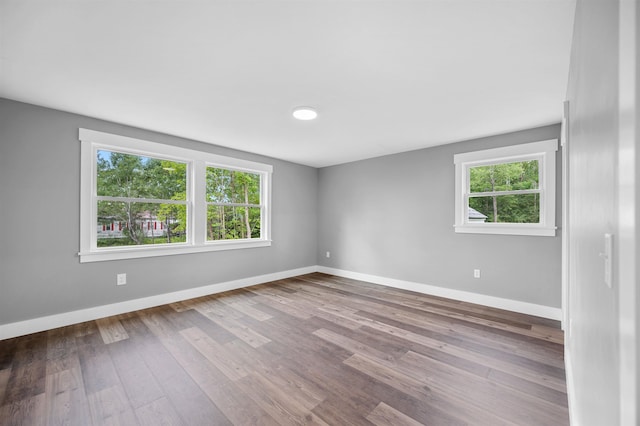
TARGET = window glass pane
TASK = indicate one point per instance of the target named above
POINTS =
(521, 208)
(227, 186)
(232, 223)
(127, 224)
(135, 176)
(504, 177)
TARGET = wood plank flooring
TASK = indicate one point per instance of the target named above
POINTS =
(316, 350)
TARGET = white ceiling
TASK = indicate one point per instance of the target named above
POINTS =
(385, 76)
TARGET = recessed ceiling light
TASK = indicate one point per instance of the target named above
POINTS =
(305, 113)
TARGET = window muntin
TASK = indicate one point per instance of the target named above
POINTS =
(509, 190)
(142, 199)
(234, 210)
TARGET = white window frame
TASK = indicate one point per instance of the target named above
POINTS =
(544, 152)
(197, 162)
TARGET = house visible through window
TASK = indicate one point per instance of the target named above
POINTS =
(508, 190)
(141, 199)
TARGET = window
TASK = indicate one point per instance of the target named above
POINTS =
(141, 199)
(508, 190)
(233, 204)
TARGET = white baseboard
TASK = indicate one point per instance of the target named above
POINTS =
(35, 325)
(464, 296)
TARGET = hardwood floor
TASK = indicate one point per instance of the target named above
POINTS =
(315, 349)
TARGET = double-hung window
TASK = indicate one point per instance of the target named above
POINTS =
(142, 199)
(233, 204)
(509, 190)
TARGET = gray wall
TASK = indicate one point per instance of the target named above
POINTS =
(393, 217)
(593, 343)
(40, 273)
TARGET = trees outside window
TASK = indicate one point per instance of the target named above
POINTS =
(507, 192)
(512, 188)
(141, 199)
(233, 204)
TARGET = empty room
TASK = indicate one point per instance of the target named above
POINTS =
(284, 212)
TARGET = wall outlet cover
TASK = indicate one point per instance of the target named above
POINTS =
(121, 279)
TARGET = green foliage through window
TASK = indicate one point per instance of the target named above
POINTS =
(130, 191)
(506, 192)
(233, 204)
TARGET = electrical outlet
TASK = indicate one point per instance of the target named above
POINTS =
(121, 279)
(476, 273)
(328, 254)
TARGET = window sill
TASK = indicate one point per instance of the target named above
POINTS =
(107, 254)
(507, 229)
